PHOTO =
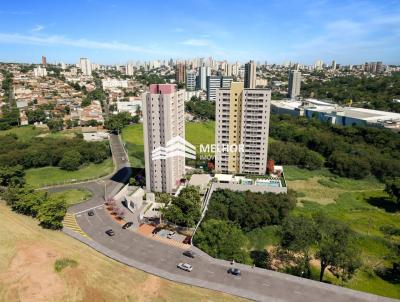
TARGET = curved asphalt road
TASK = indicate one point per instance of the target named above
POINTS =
(161, 259)
(108, 185)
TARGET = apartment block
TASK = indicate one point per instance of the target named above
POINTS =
(242, 128)
(215, 82)
(163, 120)
(294, 83)
(250, 75)
(191, 80)
(180, 73)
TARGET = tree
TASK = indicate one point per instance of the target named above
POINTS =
(184, 209)
(298, 234)
(37, 115)
(118, 121)
(335, 248)
(51, 213)
(26, 201)
(71, 160)
(222, 239)
(55, 125)
(12, 176)
(392, 187)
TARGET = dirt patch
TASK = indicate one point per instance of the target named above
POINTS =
(31, 275)
(150, 289)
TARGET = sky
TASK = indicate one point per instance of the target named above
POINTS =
(114, 32)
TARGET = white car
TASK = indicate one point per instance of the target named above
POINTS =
(170, 234)
(185, 266)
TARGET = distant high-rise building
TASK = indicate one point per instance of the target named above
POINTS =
(242, 127)
(85, 66)
(204, 72)
(228, 70)
(294, 83)
(226, 82)
(180, 73)
(129, 69)
(318, 65)
(213, 83)
(379, 67)
(44, 61)
(250, 75)
(163, 120)
(191, 80)
(333, 65)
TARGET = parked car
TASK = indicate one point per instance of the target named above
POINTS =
(90, 213)
(189, 254)
(234, 271)
(185, 266)
(170, 234)
(110, 232)
(127, 225)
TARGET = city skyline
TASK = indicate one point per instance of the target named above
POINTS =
(108, 33)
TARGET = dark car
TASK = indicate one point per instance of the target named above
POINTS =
(234, 271)
(90, 213)
(110, 232)
(189, 254)
(127, 225)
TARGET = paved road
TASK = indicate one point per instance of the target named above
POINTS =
(257, 284)
(105, 187)
(161, 259)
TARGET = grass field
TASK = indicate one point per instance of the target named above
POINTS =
(73, 196)
(28, 255)
(132, 136)
(363, 205)
(46, 176)
(196, 133)
(25, 132)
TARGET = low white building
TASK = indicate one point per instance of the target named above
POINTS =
(130, 106)
(114, 83)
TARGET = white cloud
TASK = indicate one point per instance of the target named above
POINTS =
(37, 28)
(56, 40)
(196, 42)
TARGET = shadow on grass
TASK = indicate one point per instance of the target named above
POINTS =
(385, 203)
(391, 275)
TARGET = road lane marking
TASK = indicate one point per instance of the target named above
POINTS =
(83, 211)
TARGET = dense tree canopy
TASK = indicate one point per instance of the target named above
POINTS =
(332, 241)
(203, 110)
(369, 92)
(40, 152)
(222, 239)
(349, 151)
(184, 210)
(118, 121)
(50, 211)
(13, 176)
(287, 153)
(250, 210)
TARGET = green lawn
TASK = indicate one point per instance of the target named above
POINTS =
(196, 133)
(200, 133)
(132, 136)
(73, 196)
(46, 176)
(25, 132)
